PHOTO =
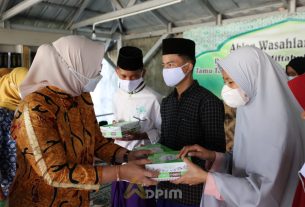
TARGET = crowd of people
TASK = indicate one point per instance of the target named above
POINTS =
(49, 135)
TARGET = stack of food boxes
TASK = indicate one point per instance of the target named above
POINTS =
(165, 161)
(117, 130)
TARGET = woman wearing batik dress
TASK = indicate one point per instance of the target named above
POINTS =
(57, 134)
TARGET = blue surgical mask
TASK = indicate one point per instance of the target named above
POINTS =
(291, 77)
(173, 76)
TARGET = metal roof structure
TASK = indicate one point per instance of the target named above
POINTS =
(111, 20)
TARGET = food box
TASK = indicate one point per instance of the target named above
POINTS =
(164, 160)
(119, 129)
(156, 148)
(167, 164)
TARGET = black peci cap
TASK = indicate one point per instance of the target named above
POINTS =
(130, 58)
(179, 46)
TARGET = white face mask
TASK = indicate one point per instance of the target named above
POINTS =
(291, 77)
(92, 82)
(234, 97)
(173, 76)
(129, 85)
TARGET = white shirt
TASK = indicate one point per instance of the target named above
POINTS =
(144, 105)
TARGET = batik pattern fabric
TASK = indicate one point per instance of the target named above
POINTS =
(57, 138)
(7, 151)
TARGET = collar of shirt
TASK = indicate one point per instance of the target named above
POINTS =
(187, 92)
(139, 88)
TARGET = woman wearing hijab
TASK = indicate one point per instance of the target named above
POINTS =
(269, 138)
(57, 133)
(9, 99)
(299, 196)
(295, 67)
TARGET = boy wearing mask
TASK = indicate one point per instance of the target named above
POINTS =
(190, 115)
(134, 101)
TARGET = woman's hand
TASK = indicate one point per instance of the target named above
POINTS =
(130, 136)
(195, 175)
(135, 172)
(139, 154)
(133, 155)
(197, 151)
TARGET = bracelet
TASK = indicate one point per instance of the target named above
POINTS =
(125, 157)
(117, 169)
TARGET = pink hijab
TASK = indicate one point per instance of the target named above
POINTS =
(53, 63)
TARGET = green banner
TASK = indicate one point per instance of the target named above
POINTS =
(283, 41)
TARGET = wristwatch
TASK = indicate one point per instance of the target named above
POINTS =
(125, 156)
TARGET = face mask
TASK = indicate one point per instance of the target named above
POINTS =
(291, 77)
(129, 85)
(92, 82)
(234, 97)
(173, 76)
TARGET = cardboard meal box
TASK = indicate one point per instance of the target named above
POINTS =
(167, 164)
(156, 148)
(119, 129)
(164, 160)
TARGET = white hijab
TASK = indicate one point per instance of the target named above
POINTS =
(269, 136)
(52, 62)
